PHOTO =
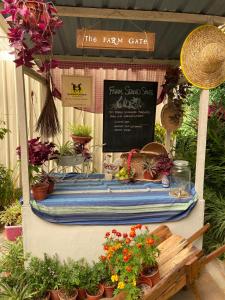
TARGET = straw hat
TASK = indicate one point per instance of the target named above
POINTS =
(203, 57)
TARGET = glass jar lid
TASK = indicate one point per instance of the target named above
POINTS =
(181, 163)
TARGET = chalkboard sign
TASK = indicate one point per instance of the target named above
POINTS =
(128, 114)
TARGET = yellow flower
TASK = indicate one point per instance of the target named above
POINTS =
(121, 285)
(118, 246)
(114, 278)
(134, 282)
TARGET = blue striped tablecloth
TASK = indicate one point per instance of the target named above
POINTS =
(90, 200)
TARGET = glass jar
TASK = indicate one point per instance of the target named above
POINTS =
(180, 179)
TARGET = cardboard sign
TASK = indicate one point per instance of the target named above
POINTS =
(116, 40)
(76, 91)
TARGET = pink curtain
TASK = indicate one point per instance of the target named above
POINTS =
(102, 71)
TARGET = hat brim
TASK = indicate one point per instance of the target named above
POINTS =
(190, 57)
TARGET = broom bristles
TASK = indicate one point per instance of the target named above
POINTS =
(48, 123)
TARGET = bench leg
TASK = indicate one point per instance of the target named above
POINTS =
(195, 291)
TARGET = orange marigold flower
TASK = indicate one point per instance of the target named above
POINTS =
(138, 226)
(139, 245)
(103, 258)
(106, 247)
(132, 234)
(133, 228)
(128, 241)
(125, 251)
(128, 268)
(126, 258)
(150, 241)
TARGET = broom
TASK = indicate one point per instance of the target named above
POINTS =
(48, 122)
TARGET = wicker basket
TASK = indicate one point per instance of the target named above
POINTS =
(149, 151)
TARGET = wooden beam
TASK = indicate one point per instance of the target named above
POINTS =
(119, 60)
(33, 74)
(142, 15)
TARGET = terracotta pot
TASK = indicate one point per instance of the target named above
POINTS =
(81, 294)
(153, 277)
(51, 187)
(145, 285)
(148, 175)
(108, 291)
(81, 139)
(63, 296)
(13, 232)
(95, 297)
(40, 191)
(54, 295)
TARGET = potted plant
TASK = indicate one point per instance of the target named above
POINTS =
(148, 252)
(94, 290)
(67, 156)
(124, 261)
(39, 187)
(150, 168)
(105, 274)
(83, 273)
(49, 179)
(80, 134)
(11, 217)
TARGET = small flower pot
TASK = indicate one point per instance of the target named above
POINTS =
(51, 187)
(150, 274)
(81, 294)
(54, 295)
(13, 232)
(40, 191)
(95, 297)
(145, 285)
(108, 291)
(81, 139)
(63, 296)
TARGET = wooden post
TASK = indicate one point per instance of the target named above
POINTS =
(21, 106)
(201, 143)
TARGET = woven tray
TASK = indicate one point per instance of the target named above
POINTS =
(149, 151)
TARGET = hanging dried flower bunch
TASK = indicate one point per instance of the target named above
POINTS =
(32, 26)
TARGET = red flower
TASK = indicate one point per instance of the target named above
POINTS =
(107, 234)
(138, 226)
(125, 235)
(103, 258)
(126, 258)
(139, 245)
(150, 241)
(114, 231)
(132, 234)
(128, 268)
(125, 251)
(106, 247)
(118, 234)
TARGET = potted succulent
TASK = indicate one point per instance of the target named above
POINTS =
(94, 290)
(11, 217)
(67, 156)
(150, 168)
(80, 134)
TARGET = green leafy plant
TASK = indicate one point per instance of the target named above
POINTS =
(69, 277)
(83, 272)
(66, 149)
(7, 186)
(12, 215)
(20, 291)
(80, 130)
(150, 165)
(43, 274)
(94, 278)
(12, 262)
(3, 130)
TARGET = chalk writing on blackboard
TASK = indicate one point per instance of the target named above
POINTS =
(129, 114)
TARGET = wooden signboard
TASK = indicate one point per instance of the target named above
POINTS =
(128, 114)
(116, 40)
(76, 91)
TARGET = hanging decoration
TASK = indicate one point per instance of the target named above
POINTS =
(33, 24)
(174, 90)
